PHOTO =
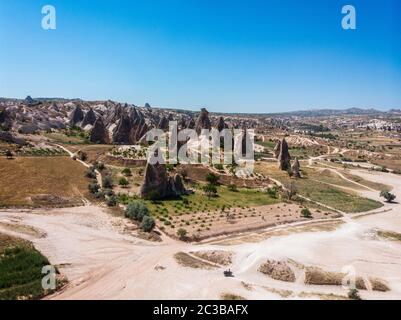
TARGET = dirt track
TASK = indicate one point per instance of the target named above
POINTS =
(102, 262)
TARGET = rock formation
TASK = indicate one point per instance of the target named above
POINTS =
(203, 121)
(221, 125)
(122, 131)
(284, 156)
(5, 119)
(191, 124)
(89, 118)
(8, 137)
(158, 185)
(296, 169)
(163, 124)
(77, 115)
(277, 149)
(99, 133)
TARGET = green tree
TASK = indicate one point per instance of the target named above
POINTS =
(136, 210)
(148, 223)
(127, 172)
(210, 190)
(107, 182)
(94, 187)
(354, 294)
(212, 178)
(111, 201)
(123, 182)
(388, 196)
(305, 213)
(182, 233)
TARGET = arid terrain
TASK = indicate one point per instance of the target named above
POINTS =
(76, 188)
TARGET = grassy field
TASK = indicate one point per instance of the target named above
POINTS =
(22, 178)
(198, 202)
(321, 192)
(20, 269)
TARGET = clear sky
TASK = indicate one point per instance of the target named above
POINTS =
(227, 55)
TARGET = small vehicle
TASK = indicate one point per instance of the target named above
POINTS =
(228, 273)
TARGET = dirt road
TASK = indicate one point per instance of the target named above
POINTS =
(102, 261)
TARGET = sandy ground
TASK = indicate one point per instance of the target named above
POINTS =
(103, 262)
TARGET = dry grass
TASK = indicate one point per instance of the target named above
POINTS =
(390, 235)
(24, 229)
(188, 261)
(231, 296)
(220, 257)
(278, 270)
(56, 177)
(317, 276)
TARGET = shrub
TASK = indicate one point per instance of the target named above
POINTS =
(127, 172)
(93, 187)
(148, 223)
(210, 190)
(212, 178)
(9, 154)
(388, 196)
(305, 213)
(90, 173)
(123, 182)
(111, 201)
(272, 192)
(136, 210)
(182, 233)
(83, 156)
(232, 188)
(354, 294)
(107, 182)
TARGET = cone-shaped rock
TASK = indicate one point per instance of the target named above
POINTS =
(158, 185)
(296, 169)
(90, 118)
(221, 125)
(122, 132)
(277, 149)
(99, 133)
(203, 121)
(284, 156)
(77, 115)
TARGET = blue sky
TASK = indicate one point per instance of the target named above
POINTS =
(230, 56)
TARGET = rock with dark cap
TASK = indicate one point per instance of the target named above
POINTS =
(221, 125)
(203, 121)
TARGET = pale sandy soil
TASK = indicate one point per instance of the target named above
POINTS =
(101, 261)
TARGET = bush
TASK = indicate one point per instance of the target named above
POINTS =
(182, 233)
(272, 192)
(107, 182)
(212, 178)
(232, 188)
(305, 213)
(388, 196)
(148, 223)
(111, 201)
(127, 172)
(90, 173)
(136, 210)
(354, 294)
(210, 190)
(94, 187)
(123, 182)
(83, 156)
